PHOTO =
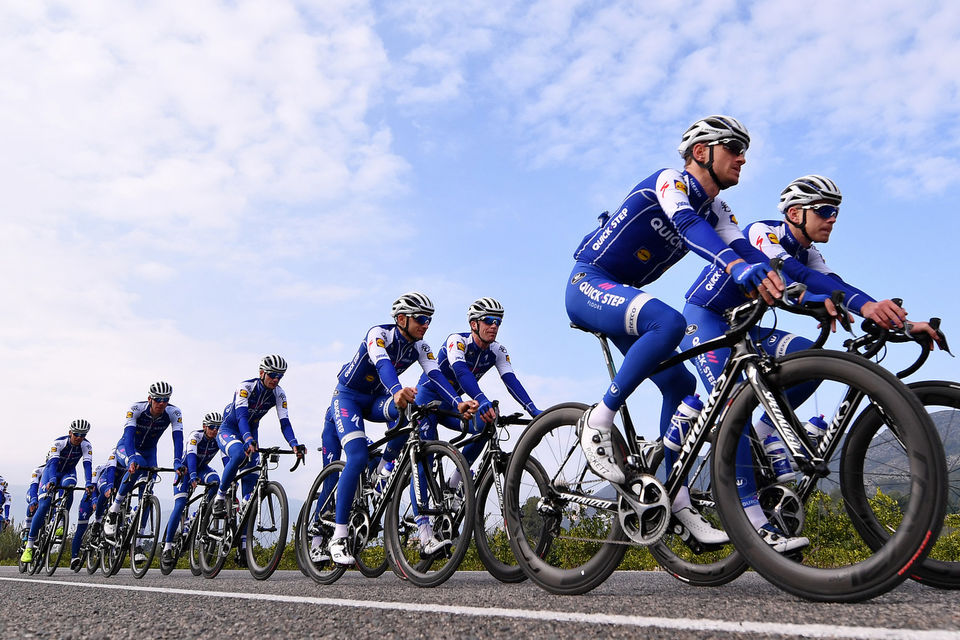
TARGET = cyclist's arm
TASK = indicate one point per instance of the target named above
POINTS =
(455, 349)
(428, 362)
(698, 234)
(286, 428)
(510, 380)
(176, 425)
(87, 450)
(191, 457)
(130, 429)
(241, 407)
(376, 342)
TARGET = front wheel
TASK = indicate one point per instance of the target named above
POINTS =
(853, 486)
(143, 542)
(428, 510)
(56, 542)
(490, 532)
(193, 545)
(316, 528)
(267, 525)
(578, 508)
(214, 540)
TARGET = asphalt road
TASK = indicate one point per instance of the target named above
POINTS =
(470, 605)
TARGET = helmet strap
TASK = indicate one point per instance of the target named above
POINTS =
(476, 332)
(803, 225)
(404, 328)
(708, 165)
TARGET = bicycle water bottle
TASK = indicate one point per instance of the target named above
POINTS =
(686, 414)
(816, 427)
(779, 459)
(382, 477)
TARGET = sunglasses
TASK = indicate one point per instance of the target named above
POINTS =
(825, 211)
(273, 375)
(422, 319)
(734, 146)
(161, 399)
(492, 320)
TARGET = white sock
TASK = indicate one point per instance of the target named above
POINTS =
(168, 546)
(682, 500)
(454, 480)
(426, 532)
(601, 416)
(340, 531)
(115, 507)
(756, 516)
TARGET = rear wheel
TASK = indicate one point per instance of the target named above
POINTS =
(267, 524)
(56, 542)
(193, 546)
(91, 541)
(431, 506)
(214, 540)
(587, 541)
(841, 562)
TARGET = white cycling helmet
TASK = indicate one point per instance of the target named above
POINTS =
(273, 364)
(411, 304)
(160, 389)
(483, 307)
(809, 189)
(712, 129)
(213, 419)
(80, 427)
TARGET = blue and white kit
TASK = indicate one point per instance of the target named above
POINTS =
(141, 432)
(201, 451)
(61, 469)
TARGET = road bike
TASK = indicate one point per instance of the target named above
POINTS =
(594, 522)
(138, 527)
(186, 530)
(258, 525)
(428, 465)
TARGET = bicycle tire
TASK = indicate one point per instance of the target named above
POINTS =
(179, 542)
(194, 552)
(148, 515)
(938, 569)
(267, 523)
(493, 545)
(598, 536)
(54, 545)
(456, 526)
(686, 559)
(92, 559)
(324, 571)
(862, 573)
(213, 552)
(301, 562)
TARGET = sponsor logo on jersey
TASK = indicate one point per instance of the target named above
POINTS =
(129, 414)
(667, 232)
(724, 206)
(244, 393)
(284, 404)
(772, 237)
(611, 225)
(606, 286)
(691, 329)
(381, 343)
(643, 255)
(508, 358)
(577, 278)
(193, 442)
(682, 188)
(598, 295)
(614, 389)
(714, 279)
(370, 378)
(461, 346)
(430, 356)
(733, 219)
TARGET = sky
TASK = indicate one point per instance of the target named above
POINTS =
(190, 185)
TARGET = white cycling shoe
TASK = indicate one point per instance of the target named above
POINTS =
(339, 552)
(699, 527)
(319, 553)
(780, 542)
(433, 544)
(597, 445)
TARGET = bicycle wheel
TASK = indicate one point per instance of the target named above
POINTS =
(579, 509)
(144, 535)
(55, 544)
(215, 539)
(112, 558)
(490, 531)
(301, 561)
(941, 400)
(683, 556)
(180, 542)
(839, 564)
(453, 524)
(317, 527)
(193, 547)
(92, 544)
(267, 525)
(370, 547)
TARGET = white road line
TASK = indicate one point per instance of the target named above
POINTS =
(683, 624)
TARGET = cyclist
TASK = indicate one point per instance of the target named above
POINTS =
(33, 490)
(146, 422)
(92, 504)
(61, 469)
(201, 449)
(810, 206)
(663, 217)
(5, 501)
(463, 360)
(368, 388)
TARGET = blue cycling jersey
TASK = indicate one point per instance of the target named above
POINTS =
(715, 290)
(463, 362)
(251, 401)
(384, 354)
(5, 499)
(142, 430)
(62, 458)
(33, 489)
(200, 451)
(662, 218)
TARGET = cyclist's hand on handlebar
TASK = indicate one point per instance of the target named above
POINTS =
(193, 484)
(486, 412)
(885, 313)
(467, 409)
(181, 473)
(301, 450)
(757, 277)
(404, 397)
(89, 489)
(916, 329)
(812, 300)
(251, 447)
